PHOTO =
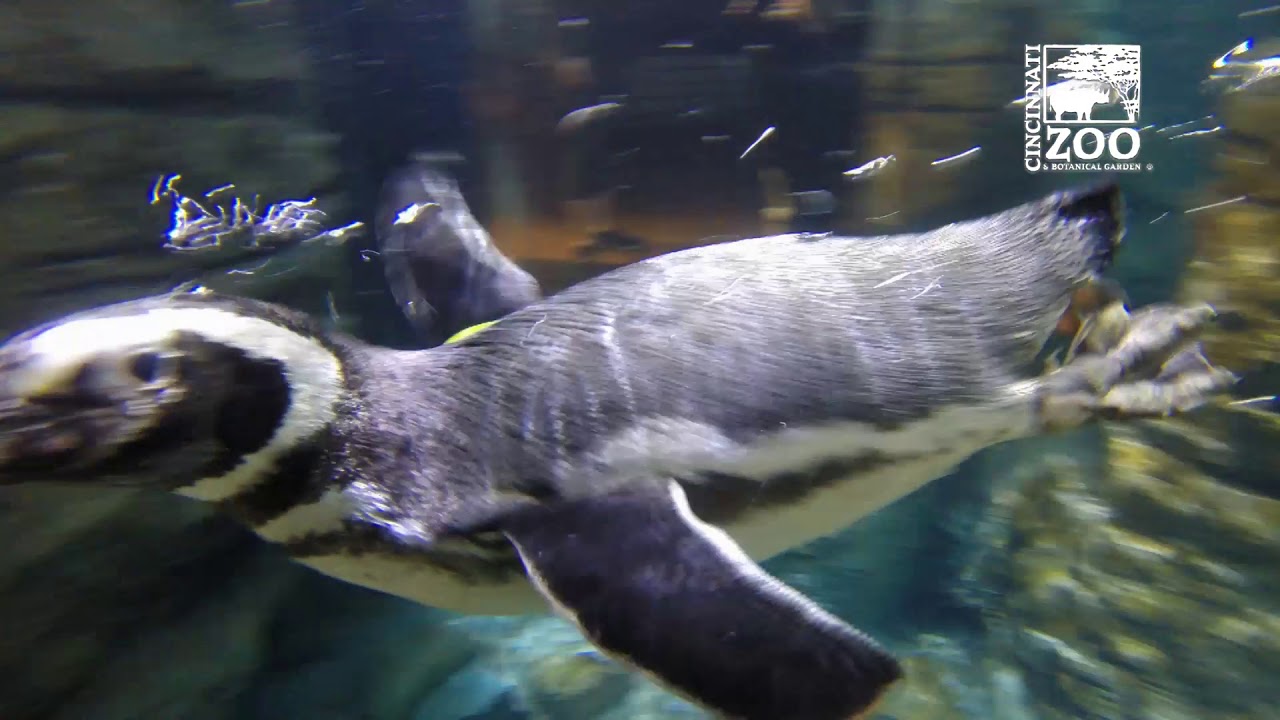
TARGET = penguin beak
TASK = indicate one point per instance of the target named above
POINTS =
(24, 380)
(51, 419)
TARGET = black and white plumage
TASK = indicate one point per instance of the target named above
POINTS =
(627, 448)
(443, 269)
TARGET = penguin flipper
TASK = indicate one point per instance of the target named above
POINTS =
(656, 588)
(441, 266)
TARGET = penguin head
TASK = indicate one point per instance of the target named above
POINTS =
(177, 392)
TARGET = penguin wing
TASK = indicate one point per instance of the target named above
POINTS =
(656, 588)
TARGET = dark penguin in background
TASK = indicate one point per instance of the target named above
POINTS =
(442, 267)
(627, 449)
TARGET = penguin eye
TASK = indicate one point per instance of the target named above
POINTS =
(145, 366)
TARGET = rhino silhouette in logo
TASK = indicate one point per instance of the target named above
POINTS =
(1078, 97)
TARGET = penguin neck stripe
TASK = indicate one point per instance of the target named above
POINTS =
(315, 380)
(314, 374)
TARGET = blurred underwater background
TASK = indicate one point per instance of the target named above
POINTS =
(1116, 573)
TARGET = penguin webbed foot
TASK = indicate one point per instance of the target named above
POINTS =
(1143, 364)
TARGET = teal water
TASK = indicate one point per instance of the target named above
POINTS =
(1118, 573)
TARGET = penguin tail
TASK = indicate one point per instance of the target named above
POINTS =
(1099, 211)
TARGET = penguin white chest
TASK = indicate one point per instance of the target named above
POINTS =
(909, 457)
(406, 576)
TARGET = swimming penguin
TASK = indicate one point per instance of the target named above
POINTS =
(442, 267)
(628, 449)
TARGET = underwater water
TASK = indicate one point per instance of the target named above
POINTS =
(1124, 571)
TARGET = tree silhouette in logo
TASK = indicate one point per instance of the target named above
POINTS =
(1116, 66)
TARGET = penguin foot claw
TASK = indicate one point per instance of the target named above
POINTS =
(1136, 365)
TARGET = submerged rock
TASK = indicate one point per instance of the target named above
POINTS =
(582, 684)
(1142, 586)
